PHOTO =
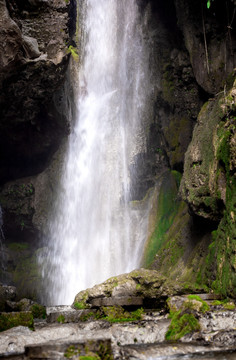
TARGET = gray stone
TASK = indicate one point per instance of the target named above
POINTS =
(7, 293)
(69, 349)
(31, 47)
(71, 316)
(117, 301)
(149, 285)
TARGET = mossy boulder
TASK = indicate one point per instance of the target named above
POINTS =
(181, 324)
(149, 287)
(189, 302)
(38, 311)
(9, 320)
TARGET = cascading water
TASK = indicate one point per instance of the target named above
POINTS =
(95, 233)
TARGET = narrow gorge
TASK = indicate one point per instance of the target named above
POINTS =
(117, 150)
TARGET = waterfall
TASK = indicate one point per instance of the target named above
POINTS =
(96, 231)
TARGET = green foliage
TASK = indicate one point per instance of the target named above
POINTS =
(10, 320)
(61, 319)
(181, 325)
(209, 4)
(73, 51)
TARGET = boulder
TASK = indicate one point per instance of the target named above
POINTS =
(139, 287)
(13, 319)
(38, 311)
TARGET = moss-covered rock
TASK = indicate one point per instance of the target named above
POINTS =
(181, 324)
(189, 302)
(148, 285)
(199, 185)
(165, 214)
(9, 320)
(38, 311)
(209, 187)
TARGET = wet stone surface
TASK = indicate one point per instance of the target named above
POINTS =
(143, 339)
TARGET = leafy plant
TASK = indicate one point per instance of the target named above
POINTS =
(209, 3)
(73, 51)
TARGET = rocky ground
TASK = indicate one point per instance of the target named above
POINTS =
(112, 321)
(143, 339)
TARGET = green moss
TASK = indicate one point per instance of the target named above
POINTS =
(72, 351)
(61, 319)
(38, 311)
(181, 325)
(229, 306)
(27, 276)
(89, 316)
(18, 246)
(10, 320)
(205, 307)
(220, 263)
(168, 206)
(90, 351)
(116, 314)
(217, 302)
(79, 305)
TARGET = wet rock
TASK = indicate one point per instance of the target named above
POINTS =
(7, 293)
(118, 301)
(70, 316)
(218, 321)
(38, 311)
(31, 47)
(211, 60)
(144, 284)
(32, 84)
(192, 303)
(94, 348)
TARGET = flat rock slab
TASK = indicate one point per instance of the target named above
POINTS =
(117, 301)
(175, 351)
(69, 316)
(70, 350)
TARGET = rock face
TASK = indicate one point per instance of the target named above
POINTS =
(33, 65)
(196, 242)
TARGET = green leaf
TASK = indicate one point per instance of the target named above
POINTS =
(208, 4)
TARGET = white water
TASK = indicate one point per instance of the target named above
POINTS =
(94, 232)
